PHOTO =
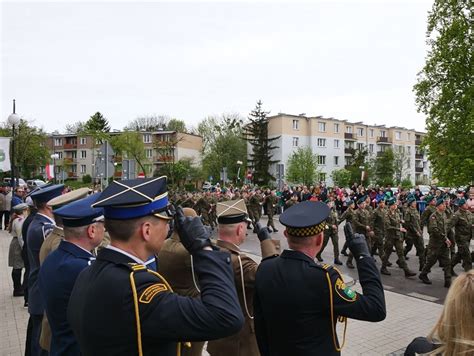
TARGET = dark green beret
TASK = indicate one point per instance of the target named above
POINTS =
(391, 201)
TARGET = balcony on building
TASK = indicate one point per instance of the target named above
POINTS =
(419, 169)
(418, 155)
(384, 140)
(350, 136)
(69, 160)
(72, 174)
(417, 140)
(349, 151)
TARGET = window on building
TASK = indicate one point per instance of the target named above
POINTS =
(360, 146)
(321, 142)
(83, 140)
(360, 131)
(336, 143)
(83, 154)
(336, 128)
(58, 141)
(42, 169)
(371, 132)
(295, 141)
(322, 177)
(148, 153)
(347, 161)
(398, 135)
(336, 160)
(74, 154)
(58, 169)
(322, 127)
(409, 150)
(371, 147)
(74, 168)
(296, 124)
(60, 155)
(322, 160)
(147, 138)
(408, 136)
(383, 133)
(408, 163)
(349, 129)
(83, 168)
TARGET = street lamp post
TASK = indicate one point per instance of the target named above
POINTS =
(239, 164)
(54, 157)
(13, 120)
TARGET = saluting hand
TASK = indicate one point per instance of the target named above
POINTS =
(262, 232)
(192, 233)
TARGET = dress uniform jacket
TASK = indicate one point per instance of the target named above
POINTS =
(102, 311)
(244, 342)
(56, 280)
(38, 230)
(293, 303)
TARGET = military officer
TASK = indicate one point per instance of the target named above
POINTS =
(379, 220)
(119, 307)
(51, 243)
(255, 207)
(232, 218)
(438, 245)
(331, 232)
(414, 235)
(271, 202)
(40, 227)
(393, 238)
(83, 232)
(176, 265)
(298, 301)
(361, 222)
(348, 215)
(430, 209)
(463, 223)
(449, 212)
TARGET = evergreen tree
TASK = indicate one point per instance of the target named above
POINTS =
(256, 134)
(96, 123)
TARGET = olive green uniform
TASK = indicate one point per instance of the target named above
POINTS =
(437, 248)
(379, 219)
(463, 221)
(270, 202)
(361, 219)
(394, 238)
(331, 233)
(348, 215)
(203, 208)
(414, 235)
(450, 232)
(255, 208)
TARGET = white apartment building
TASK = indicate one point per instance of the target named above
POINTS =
(335, 140)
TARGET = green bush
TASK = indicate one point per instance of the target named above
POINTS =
(86, 179)
(406, 183)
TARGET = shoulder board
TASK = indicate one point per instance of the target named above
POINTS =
(134, 267)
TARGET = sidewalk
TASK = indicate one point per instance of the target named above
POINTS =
(407, 317)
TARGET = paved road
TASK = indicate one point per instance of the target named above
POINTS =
(397, 282)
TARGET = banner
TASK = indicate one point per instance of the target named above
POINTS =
(5, 154)
(49, 171)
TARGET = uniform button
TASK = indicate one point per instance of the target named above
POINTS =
(228, 259)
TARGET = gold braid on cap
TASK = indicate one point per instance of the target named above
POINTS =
(306, 231)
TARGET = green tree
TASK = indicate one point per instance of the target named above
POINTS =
(383, 168)
(401, 160)
(302, 166)
(75, 128)
(176, 125)
(341, 177)
(31, 151)
(180, 172)
(97, 122)
(445, 91)
(223, 146)
(148, 123)
(130, 144)
(256, 134)
(357, 160)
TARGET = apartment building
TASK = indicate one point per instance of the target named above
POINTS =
(334, 141)
(77, 154)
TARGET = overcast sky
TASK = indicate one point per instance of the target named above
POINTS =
(354, 60)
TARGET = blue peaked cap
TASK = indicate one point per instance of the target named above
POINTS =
(80, 213)
(135, 198)
(44, 195)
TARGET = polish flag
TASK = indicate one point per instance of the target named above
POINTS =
(49, 171)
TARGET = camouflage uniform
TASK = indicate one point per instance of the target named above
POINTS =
(437, 248)
(361, 219)
(450, 232)
(414, 235)
(203, 208)
(255, 208)
(463, 221)
(394, 238)
(331, 233)
(270, 202)
(348, 215)
(379, 219)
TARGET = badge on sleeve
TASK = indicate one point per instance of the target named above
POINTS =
(344, 291)
(151, 292)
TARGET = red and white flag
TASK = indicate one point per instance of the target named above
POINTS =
(49, 171)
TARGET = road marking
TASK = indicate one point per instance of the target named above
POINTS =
(423, 296)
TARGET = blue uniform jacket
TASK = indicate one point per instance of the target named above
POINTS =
(102, 315)
(56, 280)
(38, 230)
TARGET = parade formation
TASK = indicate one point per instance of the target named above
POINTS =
(162, 270)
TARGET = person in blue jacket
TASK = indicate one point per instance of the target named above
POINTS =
(83, 232)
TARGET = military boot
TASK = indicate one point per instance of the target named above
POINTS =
(409, 273)
(269, 229)
(385, 271)
(349, 265)
(424, 278)
(275, 230)
(337, 261)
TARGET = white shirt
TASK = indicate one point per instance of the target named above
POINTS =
(135, 258)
